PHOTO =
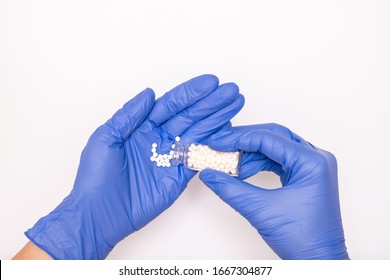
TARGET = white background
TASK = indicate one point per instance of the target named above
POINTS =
(321, 68)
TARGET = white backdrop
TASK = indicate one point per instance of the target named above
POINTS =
(320, 68)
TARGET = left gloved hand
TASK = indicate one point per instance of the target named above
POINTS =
(118, 190)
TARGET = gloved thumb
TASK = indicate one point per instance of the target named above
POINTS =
(240, 195)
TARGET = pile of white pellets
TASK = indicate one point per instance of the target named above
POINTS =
(163, 160)
(197, 157)
(200, 157)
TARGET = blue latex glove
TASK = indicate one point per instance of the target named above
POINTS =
(118, 190)
(302, 219)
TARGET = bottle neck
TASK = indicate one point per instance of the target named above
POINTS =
(179, 155)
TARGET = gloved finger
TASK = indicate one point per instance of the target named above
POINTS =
(204, 128)
(277, 128)
(223, 96)
(253, 165)
(254, 162)
(132, 114)
(286, 132)
(240, 195)
(227, 125)
(181, 97)
(270, 144)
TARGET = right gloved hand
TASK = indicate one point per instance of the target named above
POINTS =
(302, 219)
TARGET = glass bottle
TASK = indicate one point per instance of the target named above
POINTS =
(199, 157)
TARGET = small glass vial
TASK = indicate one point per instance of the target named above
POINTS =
(199, 157)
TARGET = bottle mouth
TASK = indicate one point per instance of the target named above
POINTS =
(178, 154)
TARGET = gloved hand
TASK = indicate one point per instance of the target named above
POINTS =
(118, 189)
(302, 219)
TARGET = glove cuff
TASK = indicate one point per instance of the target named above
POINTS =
(67, 233)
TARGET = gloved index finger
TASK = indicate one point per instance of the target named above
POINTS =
(268, 143)
(181, 97)
(204, 128)
(277, 129)
(219, 99)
